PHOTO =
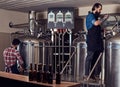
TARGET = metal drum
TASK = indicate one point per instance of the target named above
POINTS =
(34, 50)
(79, 62)
(112, 62)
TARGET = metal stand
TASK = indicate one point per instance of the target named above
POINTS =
(62, 50)
(88, 83)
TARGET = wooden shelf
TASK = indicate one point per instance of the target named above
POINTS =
(23, 78)
(14, 76)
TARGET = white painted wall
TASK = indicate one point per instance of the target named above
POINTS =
(5, 36)
(7, 16)
(5, 42)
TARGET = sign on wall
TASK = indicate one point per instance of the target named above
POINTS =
(60, 18)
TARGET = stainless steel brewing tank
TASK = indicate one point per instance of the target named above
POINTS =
(79, 60)
(112, 62)
(33, 50)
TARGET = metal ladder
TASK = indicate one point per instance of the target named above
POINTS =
(88, 83)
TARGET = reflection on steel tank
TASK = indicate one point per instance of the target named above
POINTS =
(34, 50)
(80, 57)
(112, 61)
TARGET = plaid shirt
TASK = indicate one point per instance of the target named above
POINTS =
(11, 55)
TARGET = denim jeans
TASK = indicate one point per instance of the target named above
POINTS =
(14, 69)
(91, 58)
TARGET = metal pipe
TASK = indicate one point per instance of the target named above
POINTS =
(24, 25)
(63, 48)
(43, 53)
(52, 36)
(68, 61)
(59, 48)
(55, 53)
(70, 44)
(32, 22)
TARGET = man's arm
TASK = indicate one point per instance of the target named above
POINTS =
(99, 21)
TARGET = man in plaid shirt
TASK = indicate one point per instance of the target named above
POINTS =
(12, 58)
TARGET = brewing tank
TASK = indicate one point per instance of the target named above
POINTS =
(80, 57)
(80, 60)
(33, 50)
(112, 62)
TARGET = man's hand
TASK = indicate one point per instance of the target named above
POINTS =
(21, 69)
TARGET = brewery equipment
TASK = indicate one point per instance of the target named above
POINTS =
(33, 50)
(112, 59)
(79, 60)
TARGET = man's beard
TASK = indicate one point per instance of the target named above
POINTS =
(97, 14)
